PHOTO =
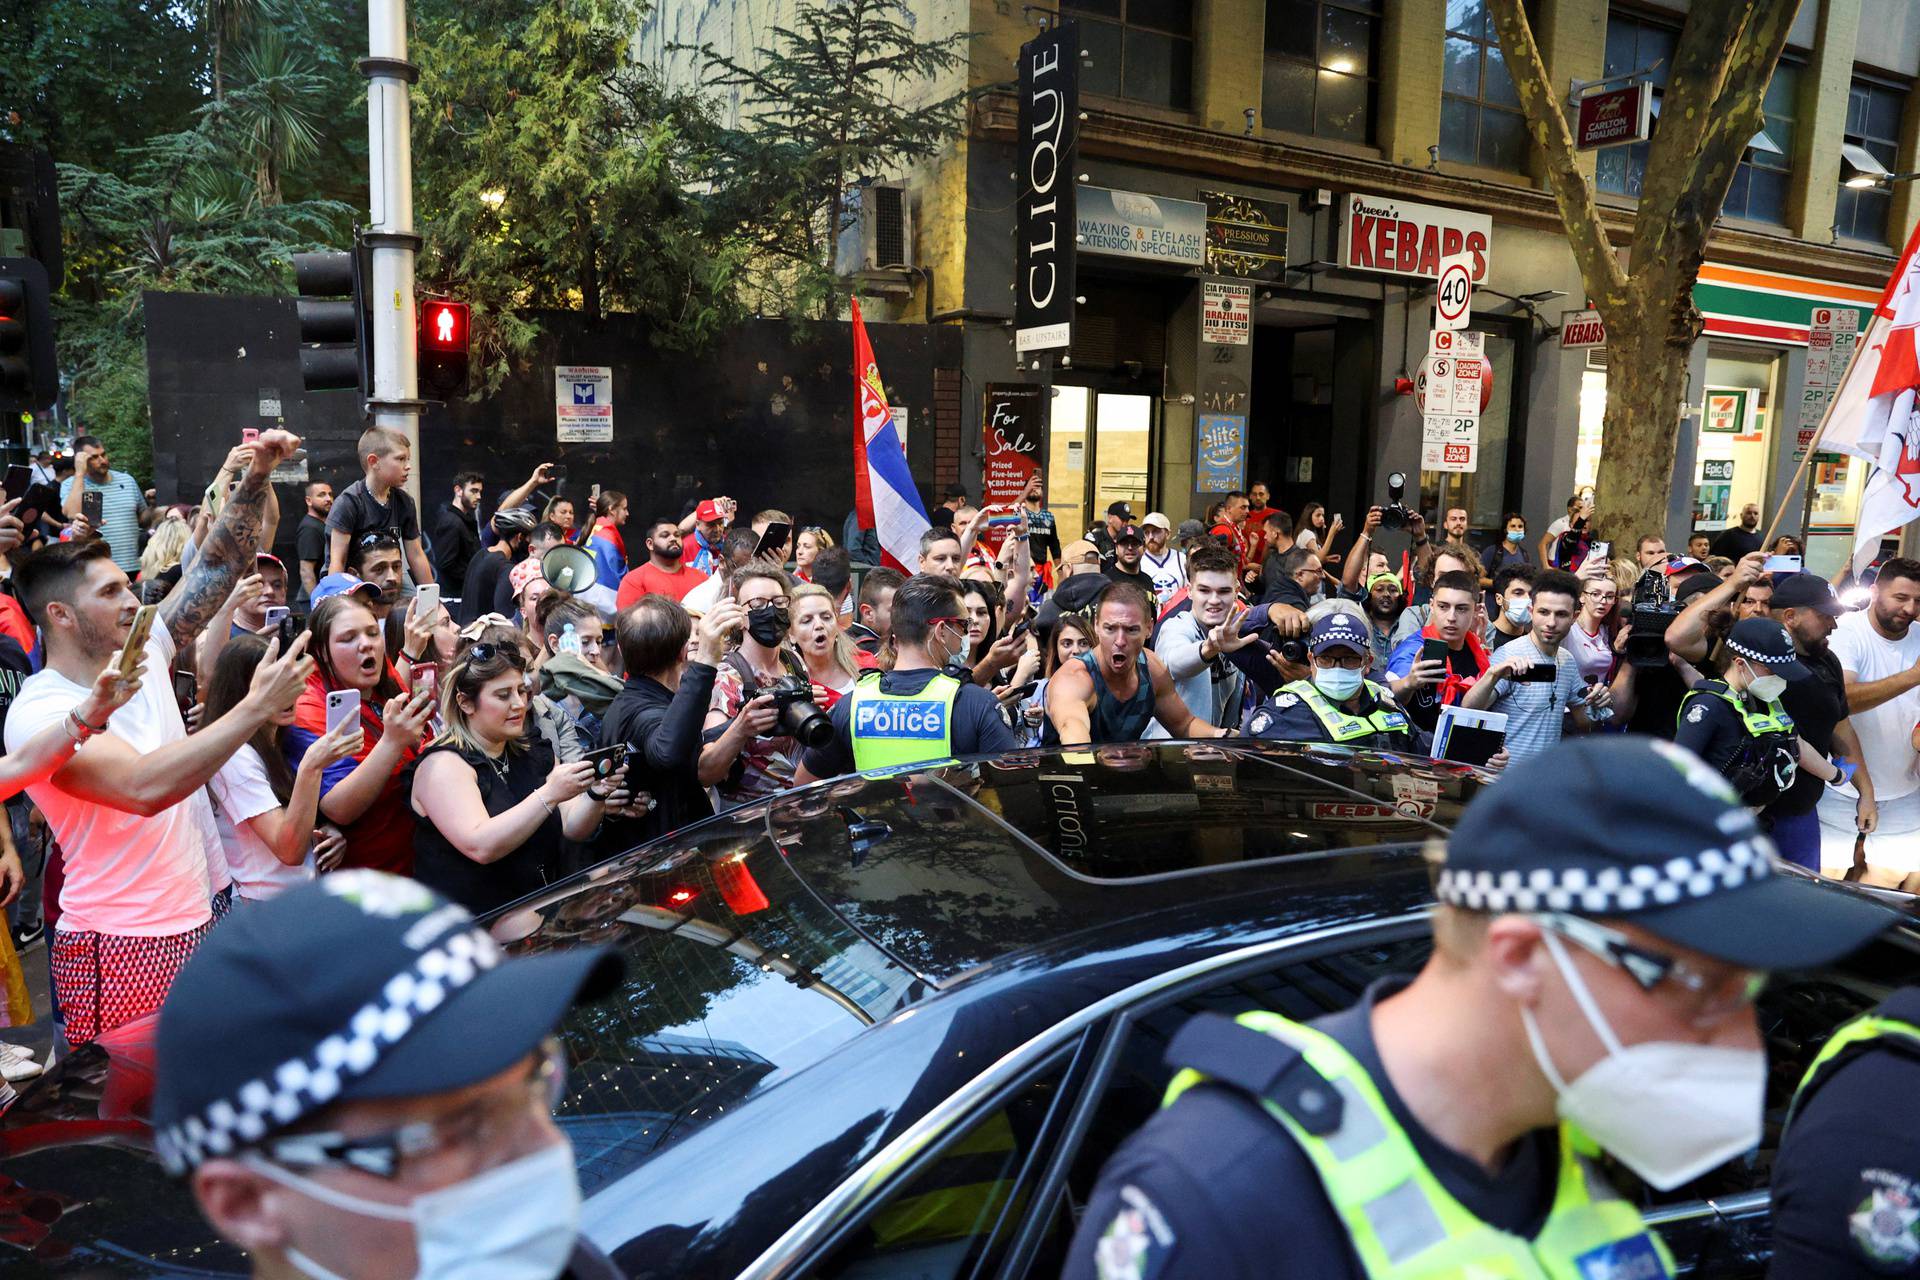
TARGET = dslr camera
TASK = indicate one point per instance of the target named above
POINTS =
(1396, 514)
(800, 716)
(1647, 624)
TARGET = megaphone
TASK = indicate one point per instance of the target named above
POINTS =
(569, 569)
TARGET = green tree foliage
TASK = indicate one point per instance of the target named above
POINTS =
(551, 171)
(840, 95)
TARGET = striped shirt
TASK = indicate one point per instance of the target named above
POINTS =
(120, 506)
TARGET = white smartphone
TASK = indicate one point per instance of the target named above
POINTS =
(1785, 564)
(343, 707)
(426, 600)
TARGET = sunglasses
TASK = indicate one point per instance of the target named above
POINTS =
(487, 651)
(378, 538)
(1707, 998)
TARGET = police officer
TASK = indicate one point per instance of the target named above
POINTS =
(915, 713)
(1338, 704)
(1846, 1183)
(1738, 726)
(356, 1082)
(1591, 983)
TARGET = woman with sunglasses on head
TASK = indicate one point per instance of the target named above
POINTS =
(1072, 636)
(495, 806)
(807, 545)
(815, 634)
(267, 810)
(363, 795)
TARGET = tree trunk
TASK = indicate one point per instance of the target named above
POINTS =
(1646, 381)
(589, 265)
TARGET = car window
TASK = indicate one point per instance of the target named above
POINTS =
(736, 976)
(954, 1213)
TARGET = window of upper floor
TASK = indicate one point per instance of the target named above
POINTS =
(1141, 50)
(1874, 112)
(1322, 68)
(1480, 118)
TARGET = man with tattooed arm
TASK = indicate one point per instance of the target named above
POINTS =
(130, 811)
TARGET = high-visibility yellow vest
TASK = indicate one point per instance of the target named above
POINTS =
(1850, 1040)
(897, 730)
(1385, 718)
(1404, 1224)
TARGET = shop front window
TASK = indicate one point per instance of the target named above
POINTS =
(1873, 126)
(1480, 118)
(1137, 49)
(1732, 464)
(1321, 67)
(1759, 189)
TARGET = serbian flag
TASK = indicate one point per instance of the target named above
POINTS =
(884, 495)
(1874, 410)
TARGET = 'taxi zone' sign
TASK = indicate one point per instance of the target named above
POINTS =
(1405, 239)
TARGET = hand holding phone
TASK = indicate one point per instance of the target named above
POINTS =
(136, 645)
(426, 600)
(1785, 564)
(93, 507)
(343, 707)
(19, 480)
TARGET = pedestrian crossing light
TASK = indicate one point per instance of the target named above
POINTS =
(29, 376)
(443, 348)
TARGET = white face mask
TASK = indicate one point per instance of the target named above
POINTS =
(1519, 612)
(1337, 683)
(517, 1222)
(1765, 688)
(1667, 1110)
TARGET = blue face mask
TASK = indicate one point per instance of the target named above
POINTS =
(1338, 683)
(1516, 535)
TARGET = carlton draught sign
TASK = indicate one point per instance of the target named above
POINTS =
(1044, 223)
(1401, 238)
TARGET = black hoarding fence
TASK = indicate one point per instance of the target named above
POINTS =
(1044, 223)
(759, 417)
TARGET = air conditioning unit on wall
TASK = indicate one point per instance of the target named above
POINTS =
(876, 237)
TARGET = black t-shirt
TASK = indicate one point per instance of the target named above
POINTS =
(1043, 536)
(1498, 639)
(310, 544)
(355, 512)
(1239, 1198)
(977, 728)
(1817, 703)
(486, 582)
(1422, 702)
(455, 540)
(1847, 1179)
(1736, 542)
(482, 886)
(1115, 573)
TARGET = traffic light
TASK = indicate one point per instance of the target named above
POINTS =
(443, 349)
(29, 376)
(336, 332)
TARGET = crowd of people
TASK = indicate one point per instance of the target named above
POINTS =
(484, 698)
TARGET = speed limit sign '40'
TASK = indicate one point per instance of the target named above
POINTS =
(1453, 303)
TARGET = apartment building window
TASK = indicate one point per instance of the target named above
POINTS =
(1873, 125)
(1480, 118)
(1322, 67)
(1140, 49)
(1759, 189)
(1633, 44)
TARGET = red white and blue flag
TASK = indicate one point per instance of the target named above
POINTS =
(884, 494)
(1876, 410)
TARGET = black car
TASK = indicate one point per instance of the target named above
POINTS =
(894, 1025)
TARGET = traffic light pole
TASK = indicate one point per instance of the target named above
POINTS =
(394, 399)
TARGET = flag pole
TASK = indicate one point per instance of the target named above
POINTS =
(1813, 445)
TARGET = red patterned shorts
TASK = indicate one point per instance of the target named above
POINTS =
(105, 981)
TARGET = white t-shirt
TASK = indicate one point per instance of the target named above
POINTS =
(705, 595)
(126, 875)
(1169, 573)
(242, 792)
(1886, 731)
(1594, 653)
(1308, 539)
(1559, 527)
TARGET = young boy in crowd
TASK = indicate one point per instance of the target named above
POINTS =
(378, 503)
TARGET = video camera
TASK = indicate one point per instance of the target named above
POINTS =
(1647, 624)
(1396, 514)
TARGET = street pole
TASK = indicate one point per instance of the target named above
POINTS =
(395, 400)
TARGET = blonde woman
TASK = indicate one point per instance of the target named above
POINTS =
(493, 804)
(815, 633)
(809, 543)
(165, 548)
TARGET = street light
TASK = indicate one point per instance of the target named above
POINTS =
(1861, 170)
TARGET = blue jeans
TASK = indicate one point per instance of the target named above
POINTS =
(1797, 836)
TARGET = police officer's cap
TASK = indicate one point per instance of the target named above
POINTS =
(1765, 641)
(1337, 629)
(1637, 829)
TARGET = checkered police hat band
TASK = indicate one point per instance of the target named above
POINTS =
(1609, 890)
(1752, 654)
(303, 1085)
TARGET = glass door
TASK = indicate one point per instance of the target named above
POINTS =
(1067, 461)
(1099, 451)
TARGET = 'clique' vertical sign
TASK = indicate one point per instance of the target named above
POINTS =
(1044, 222)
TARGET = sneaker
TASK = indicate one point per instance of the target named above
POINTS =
(17, 1062)
(27, 937)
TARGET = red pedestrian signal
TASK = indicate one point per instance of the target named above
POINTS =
(442, 349)
(29, 376)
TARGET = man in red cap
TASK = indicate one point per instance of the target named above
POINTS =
(708, 524)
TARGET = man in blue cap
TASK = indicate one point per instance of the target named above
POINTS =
(1737, 724)
(1338, 704)
(357, 1083)
(1591, 985)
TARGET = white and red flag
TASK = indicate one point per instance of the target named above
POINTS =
(1876, 415)
(884, 494)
